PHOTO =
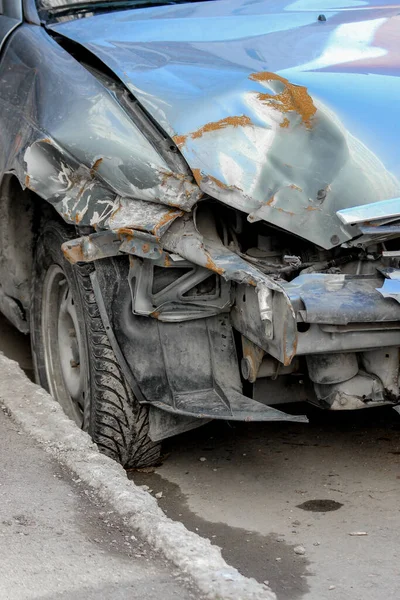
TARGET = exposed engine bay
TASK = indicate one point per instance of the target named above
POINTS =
(332, 292)
(247, 311)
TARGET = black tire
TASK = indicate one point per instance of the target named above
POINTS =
(117, 423)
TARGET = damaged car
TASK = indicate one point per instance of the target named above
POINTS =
(199, 209)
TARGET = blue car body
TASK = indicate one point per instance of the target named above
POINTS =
(254, 142)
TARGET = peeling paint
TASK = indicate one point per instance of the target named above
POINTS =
(210, 264)
(209, 182)
(109, 243)
(180, 140)
(95, 166)
(197, 175)
(294, 98)
(164, 221)
(235, 121)
(241, 121)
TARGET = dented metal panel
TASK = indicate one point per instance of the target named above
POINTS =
(68, 138)
(281, 116)
(278, 114)
(342, 299)
(108, 243)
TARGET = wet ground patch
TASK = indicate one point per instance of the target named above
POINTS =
(266, 558)
(320, 505)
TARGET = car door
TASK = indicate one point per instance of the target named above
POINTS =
(10, 18)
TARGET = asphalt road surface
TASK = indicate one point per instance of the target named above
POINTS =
(313, 509)
(59, 542)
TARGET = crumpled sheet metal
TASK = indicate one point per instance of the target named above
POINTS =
(69, 140)
(143, 216)
(109, 243)
(81, 198)
(282, 116)
(183, 238)
(341, 299)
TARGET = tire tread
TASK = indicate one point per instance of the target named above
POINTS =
(115, 419)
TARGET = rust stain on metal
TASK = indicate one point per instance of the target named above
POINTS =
(197, 175)
(282, 210)
(241, 121)
(210, 264)
(170, 203)
(271, 201)
(27, 181)
(219, 183)
(180, 140)
(73, 253)
(146, 248)
(285, 123)
(47, 141)
(201, 178)
(294, 98)
(295, 187)
(287, 358)
(182, 180)
(95, 167)
(310, 208)
(254, 354)
(167, 175)
(155, 314)
(167, 218)
(125, 233)
(81, 191)
(167, 261)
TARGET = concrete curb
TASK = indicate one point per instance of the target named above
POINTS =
(42, 418)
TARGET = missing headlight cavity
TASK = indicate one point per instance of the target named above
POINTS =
(177, 291)
(163, 278)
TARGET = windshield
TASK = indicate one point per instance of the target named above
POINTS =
(60, 6)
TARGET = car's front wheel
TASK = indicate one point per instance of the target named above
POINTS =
(74, 360)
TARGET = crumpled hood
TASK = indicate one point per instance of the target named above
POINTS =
(285, 116)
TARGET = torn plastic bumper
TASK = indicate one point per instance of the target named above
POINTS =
(213, 404)
(193, 369)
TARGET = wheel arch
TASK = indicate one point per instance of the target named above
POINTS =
(21, 212)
